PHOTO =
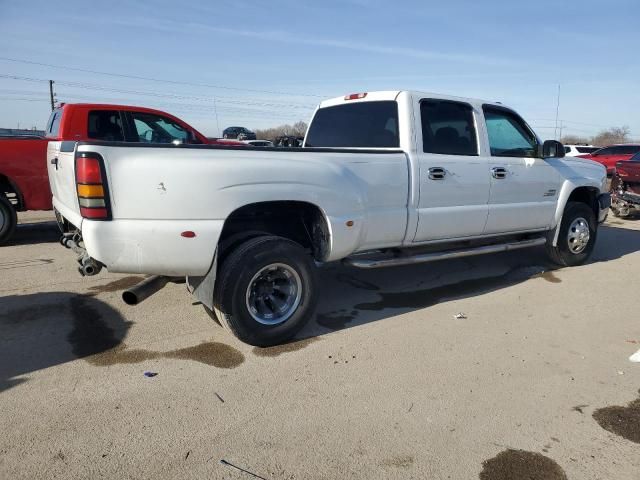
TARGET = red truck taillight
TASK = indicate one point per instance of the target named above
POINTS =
(93, 195)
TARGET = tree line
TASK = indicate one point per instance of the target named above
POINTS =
(298, 129)
(605, 137)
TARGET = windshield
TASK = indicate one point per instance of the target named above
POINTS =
(357, 125)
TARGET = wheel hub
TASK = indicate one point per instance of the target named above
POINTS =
(578, 235)
(274, 294)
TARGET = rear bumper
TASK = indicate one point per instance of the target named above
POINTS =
(152, 246)
(604, 202)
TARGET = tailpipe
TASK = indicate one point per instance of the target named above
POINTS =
(144, 289)
(88, 266)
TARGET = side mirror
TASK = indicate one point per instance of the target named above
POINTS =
(552, 149)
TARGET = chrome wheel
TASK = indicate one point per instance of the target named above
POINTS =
(273, 294)
(578, 235)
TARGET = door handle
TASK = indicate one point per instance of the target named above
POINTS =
(499, 172)
(54, 161)
(437, 173)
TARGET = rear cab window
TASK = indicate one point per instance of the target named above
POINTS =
(356, 125)
(448, 128)
(105, 125)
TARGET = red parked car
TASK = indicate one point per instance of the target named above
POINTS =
(608, 156)
(24, 184)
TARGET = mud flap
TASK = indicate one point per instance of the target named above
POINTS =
(202, 287)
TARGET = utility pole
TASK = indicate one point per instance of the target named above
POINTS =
(51, 95)
(555, 131)
(561, 126)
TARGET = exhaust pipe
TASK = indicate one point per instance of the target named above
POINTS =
(88, 266)
(144, 289)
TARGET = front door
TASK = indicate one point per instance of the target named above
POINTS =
(454, 178)
(524, 188)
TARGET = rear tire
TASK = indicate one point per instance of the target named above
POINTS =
(266, 290)
(8, 220)
(577, 236)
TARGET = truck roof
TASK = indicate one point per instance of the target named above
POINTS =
(393, 95)
(107, 106)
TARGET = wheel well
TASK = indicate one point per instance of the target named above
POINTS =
(588, 195)
(301, 222)
(9, 190)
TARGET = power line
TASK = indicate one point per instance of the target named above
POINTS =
(150, 79)
(161, 95)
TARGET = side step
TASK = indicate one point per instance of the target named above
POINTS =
(434, 256)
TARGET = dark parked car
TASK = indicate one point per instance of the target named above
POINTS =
(240, 133)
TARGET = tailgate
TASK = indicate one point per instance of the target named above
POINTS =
(62, 178)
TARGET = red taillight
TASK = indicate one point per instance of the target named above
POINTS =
(355, 96)
(88, 171)
(91, 187)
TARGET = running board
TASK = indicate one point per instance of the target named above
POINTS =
(434, 256)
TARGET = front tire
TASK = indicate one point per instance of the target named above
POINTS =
(8, 220)
(577, 236)
(266, 290)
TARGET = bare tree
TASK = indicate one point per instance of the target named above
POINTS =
(612, 135)
(298, 129)
(574, 139)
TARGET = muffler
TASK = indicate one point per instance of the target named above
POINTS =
(144, 289)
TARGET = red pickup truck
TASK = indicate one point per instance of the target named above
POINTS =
(24, 184)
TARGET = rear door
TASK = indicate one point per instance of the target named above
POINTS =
(454, 177)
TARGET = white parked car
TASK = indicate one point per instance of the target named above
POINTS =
(576, 150)
(258, 143)
(385, 179)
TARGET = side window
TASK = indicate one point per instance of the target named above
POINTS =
(448, 128)
(53, 126)
(605, 151)
(509, 136)
(568, 149)
(105, 125)
(152, 128)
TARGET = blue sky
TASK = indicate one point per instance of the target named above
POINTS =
(260, 64)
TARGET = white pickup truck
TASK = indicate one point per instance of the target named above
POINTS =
(384, 178)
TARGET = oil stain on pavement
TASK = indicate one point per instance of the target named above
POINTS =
(623, 421)
(519, 464)
(116, 285)
(92, 339)
(284, 348)
(210, 353)
(90, 333)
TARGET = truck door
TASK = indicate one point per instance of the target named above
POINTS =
(454, 179)
(524, 188)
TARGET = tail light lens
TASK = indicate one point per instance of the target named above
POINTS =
(93, 195)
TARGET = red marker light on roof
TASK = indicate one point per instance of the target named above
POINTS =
(355, 96)
(188, 234)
